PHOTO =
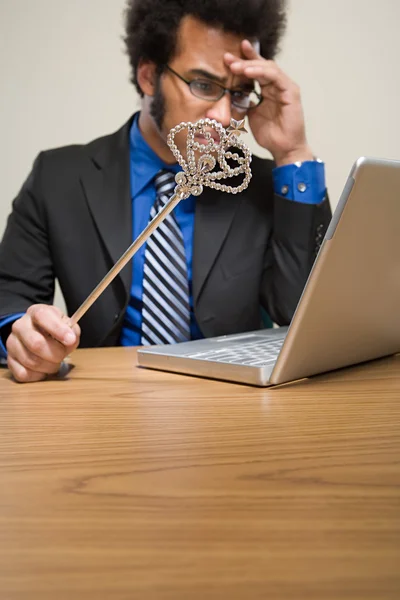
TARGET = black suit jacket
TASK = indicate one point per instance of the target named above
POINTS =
(73, 219)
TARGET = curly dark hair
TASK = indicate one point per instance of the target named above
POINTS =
(151, 25)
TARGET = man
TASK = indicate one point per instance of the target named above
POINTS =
(81, 206)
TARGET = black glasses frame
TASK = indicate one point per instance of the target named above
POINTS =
(223, 89)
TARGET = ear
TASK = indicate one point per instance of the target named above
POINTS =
(146, 77)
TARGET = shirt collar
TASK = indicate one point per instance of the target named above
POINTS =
(145, 169)
(149, 164)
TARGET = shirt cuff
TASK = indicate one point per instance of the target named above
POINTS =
(301, 182)
(3, 322)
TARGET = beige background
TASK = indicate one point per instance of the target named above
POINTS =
(65, 79)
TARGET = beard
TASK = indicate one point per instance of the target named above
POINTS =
(157, 106)
(157, 111)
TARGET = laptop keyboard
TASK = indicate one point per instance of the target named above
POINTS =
(255, 354)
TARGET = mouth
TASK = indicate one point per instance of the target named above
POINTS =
(201, 139)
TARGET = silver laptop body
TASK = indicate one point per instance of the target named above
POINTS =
(349, 311)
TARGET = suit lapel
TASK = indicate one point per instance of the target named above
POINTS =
(106, 184)
(214, 215)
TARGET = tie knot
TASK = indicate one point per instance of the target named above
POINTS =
(164, 183)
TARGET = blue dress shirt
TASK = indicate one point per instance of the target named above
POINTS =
(3, 322)
(299, 182)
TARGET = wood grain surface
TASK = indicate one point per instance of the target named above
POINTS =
(125, 483)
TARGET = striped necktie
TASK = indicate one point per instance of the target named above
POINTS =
(165, 311)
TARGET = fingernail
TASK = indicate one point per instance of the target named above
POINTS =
(69, 338)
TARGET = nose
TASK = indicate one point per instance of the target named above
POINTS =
(221, 110)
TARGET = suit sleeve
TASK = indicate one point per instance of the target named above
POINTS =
(298, 230)
(26, 269)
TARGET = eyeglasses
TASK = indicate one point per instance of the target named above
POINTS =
(213, 91)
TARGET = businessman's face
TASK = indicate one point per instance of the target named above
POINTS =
(199, 55)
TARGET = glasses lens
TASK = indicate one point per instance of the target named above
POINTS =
(210, 90)
(245, 99)
(207, 90)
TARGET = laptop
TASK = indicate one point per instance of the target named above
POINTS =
(349, 311)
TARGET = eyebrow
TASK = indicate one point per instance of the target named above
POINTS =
(208, 75)
(217, 79)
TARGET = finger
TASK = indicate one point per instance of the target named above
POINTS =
(50, 320)
(27, 359)
(231, 59)
(37, 342)
(21, 373)
(264, 72)
(251, 50)
(76, 329)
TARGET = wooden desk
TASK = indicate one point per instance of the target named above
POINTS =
(123, 483)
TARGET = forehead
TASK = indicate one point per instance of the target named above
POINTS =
(200, 45)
